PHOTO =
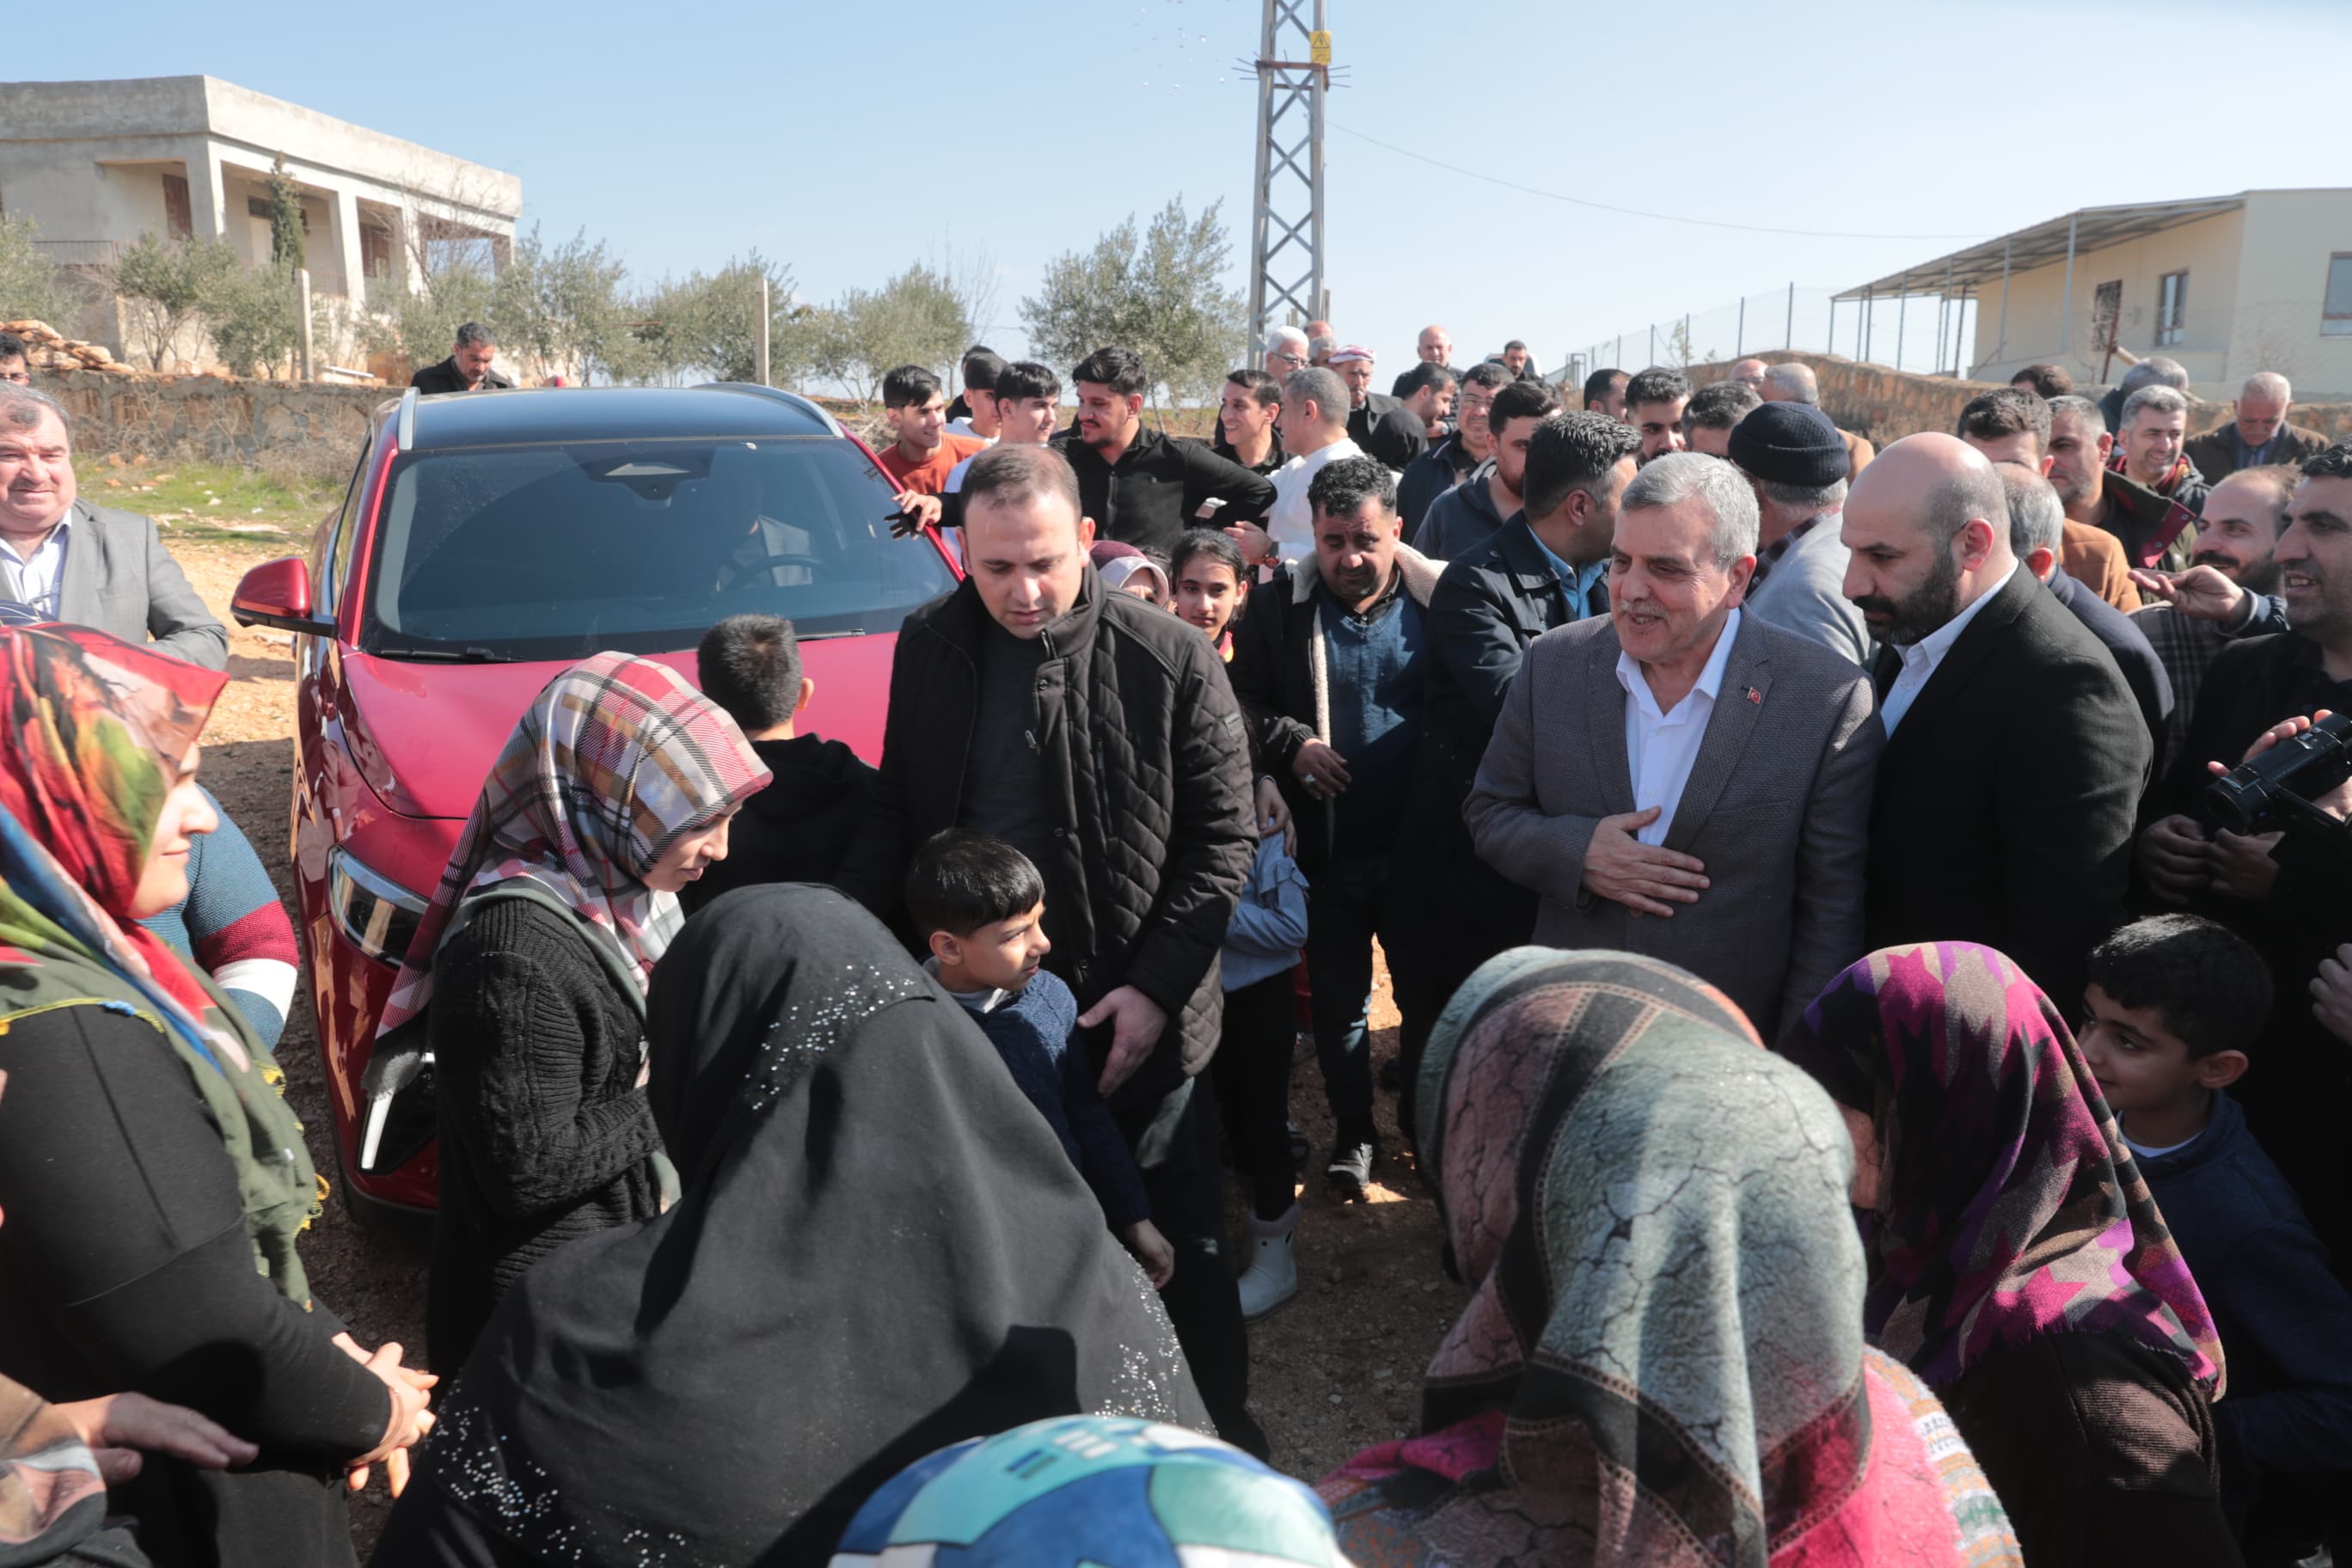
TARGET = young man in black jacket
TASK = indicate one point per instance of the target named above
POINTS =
(801, 826)
(1139, 486)
(1450, 461)
(1096, 734)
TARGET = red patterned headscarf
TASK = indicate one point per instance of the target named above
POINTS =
(2017, 1210)
(615, 762)
(94, 739)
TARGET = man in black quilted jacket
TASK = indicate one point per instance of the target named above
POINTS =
(1096, 734)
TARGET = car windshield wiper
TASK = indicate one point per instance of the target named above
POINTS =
(447, 655)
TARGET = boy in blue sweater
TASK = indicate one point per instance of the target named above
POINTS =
(2173, 1002)
(981, 905)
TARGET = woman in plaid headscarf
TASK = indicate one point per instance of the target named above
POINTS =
(530, 967)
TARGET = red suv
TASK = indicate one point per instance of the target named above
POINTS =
(486, 542)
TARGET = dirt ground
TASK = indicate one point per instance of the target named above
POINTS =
(1335, 1369)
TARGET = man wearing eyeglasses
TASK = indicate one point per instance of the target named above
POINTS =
(16, 365)
(1448, 462)
(1285, 351)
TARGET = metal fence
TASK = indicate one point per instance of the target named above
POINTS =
(1921, 333)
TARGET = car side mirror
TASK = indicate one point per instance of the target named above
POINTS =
(277, 594)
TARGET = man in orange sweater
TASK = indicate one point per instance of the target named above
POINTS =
(924, 453)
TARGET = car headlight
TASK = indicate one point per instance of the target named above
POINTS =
(376, 914)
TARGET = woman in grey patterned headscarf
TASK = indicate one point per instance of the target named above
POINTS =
(1662, 1362)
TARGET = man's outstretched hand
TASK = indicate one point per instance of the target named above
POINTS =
(914, 513)
(1137, 1022)
(2201, 592)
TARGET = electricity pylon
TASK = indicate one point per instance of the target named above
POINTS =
(1293, 72)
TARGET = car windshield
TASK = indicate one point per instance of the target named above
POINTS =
(559, 552)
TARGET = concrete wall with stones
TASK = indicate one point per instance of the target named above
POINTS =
(1886, 404)
(312, 429)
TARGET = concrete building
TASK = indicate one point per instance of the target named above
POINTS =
(97, 164)
(2226, 285)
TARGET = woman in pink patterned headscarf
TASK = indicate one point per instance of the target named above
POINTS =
(2018, 1263)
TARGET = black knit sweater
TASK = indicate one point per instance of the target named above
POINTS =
(544, 1135)
(124, 1264)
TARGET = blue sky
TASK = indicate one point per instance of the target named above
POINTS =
(847, 141)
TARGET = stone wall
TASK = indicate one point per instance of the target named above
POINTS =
(1886, 404)
(308, 429)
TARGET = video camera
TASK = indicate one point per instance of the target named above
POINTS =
(2276, 788)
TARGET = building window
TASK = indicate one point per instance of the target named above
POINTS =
(2172, 307)
(258, 206)
(375, 251)
(2335, 310)
(176, 215)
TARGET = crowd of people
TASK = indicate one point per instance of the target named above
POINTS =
(1879, 1096)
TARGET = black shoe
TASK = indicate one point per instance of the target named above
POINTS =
(1350, 1172)
(1392, 1076)
(1240, 1428)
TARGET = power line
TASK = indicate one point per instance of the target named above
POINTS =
(1630, 212)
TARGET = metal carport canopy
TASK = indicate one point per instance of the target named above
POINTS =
(2092, 228)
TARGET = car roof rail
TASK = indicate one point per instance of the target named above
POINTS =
(408, 419)
(816, 411)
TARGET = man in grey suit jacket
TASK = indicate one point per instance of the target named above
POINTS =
(1797, 460)
(1682, 780)
(64, 559)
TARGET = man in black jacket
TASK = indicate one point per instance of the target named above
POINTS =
(1329, 665)
(1139, 486)
(1548, 567)
(1451, 460)
(800, 828)
(2036, 530)
(1096, 734)
(2015, 754)
(467, 368)
(2290, 909)
(1471, 512)
(1366, 408)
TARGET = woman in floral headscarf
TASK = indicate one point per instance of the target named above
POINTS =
(1662, 1362)
(2017, 1261)
(530, 967)
(154, 1179)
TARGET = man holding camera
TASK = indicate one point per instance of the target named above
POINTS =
(2282, 893)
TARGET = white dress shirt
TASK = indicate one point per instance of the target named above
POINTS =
(1660, 748)
(34, 581)
(1920, 659)
(1290, 521)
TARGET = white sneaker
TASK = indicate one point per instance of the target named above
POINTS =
(1272, 1277)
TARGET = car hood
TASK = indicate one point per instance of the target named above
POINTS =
(423, 735)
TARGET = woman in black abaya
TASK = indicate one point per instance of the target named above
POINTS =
(880, 1249)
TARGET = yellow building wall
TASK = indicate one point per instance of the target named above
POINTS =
(2282, 286)
(2256, 281)
(2039, 327)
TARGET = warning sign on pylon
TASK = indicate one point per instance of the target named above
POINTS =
(1319, 47)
